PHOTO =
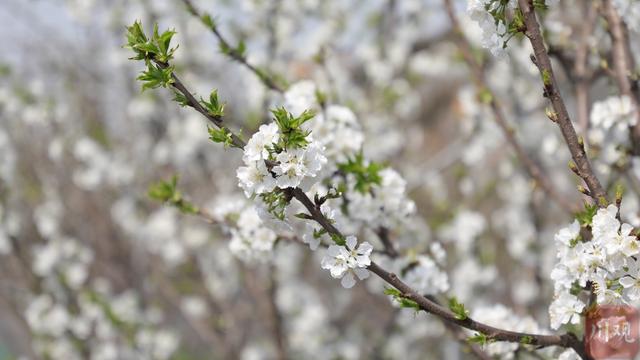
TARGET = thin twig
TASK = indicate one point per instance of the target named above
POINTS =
(623, 64)
(268, 81)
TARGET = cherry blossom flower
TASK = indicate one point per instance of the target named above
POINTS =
(344, 262)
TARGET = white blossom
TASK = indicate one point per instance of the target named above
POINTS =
(426, 278)
(345, 261)
(564, 309)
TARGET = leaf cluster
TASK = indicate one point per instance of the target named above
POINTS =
(222, 135)
(157, 48)
(156, 52)
(366, 174)
(276, 202)
(213, 106)
(458, 309)
(167, 192)
(292, 134)
(585, 216)
(401, 299)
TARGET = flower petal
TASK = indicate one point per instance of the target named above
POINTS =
(348, 281)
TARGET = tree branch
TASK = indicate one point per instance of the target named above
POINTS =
(561, 115)
(195, 104)
(623, 64)
(531, 167)
(268, 80)
(566, 340)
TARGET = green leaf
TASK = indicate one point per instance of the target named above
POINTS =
(401, 299)
(339, 240)
(164, 190)
(213, 106)
(479, 338)
(304, 216)
(585, 216)
(526, 340)
(366, 174)
(135, 38)
(392, 291)
(222, 135)
(485, 96)
(156, 76)
(458, 309)
(318, 233)
(293, 136)
(241, 49)
(208, 21)
(408, 303)
(276, 202)
(546, 77)
(157, 48)
(148, 47)
(224, 48)
(180, 99)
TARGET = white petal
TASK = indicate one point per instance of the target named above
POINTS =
(338, 271)
(348, 281)
(627, 281)
(365, 248)
(361, 273)
(352, 241)
(334, 250)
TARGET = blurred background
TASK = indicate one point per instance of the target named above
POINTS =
(90, 267)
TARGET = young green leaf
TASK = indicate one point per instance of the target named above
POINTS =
(479, 338)
(156, 76)
(366, 174)
(585, 216)
(222, 135)
(458, 309)
(213, 106)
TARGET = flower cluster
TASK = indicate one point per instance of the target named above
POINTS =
(278, 157)
(606, 262)
(108, 326)
(426, 277)
(251, 240)
(63, 256)
(377, 196)
(336, 127)
(493, 29)
(609, 131)
(345, 261)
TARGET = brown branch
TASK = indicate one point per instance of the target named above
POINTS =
(561, 115)
(276, 318)
(383, 235)
(195, 104)
(233, 53)
(623, 64)
(531, 167)
(582, 77)
(566, 340)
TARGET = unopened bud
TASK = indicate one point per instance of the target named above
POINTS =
(552, 115)
(584, 190)
(574, 168)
